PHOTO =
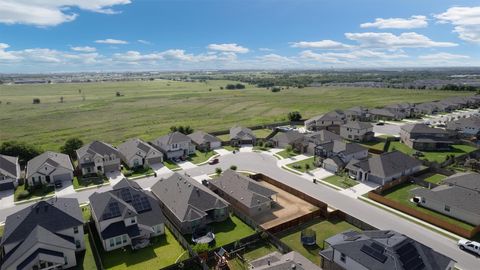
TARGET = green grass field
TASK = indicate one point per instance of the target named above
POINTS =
(85, 259)
(435, 178)
(301, 165)
(438, 156)
(148, 109)
(340, 181)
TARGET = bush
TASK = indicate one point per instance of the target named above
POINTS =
(288, 148)
(233, 167)
(294, 116)
(23, 195)
(128, 173)
(218, 170)
(36, 101)
(275, 89)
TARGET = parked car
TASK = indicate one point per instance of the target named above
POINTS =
(380, 124)
(58, 184)
(213, 161)
(468, 245)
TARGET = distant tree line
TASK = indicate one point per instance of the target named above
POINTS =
(182, 129)
(235, 86)
(456, 87)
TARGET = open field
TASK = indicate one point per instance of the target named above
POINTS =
(148, 109)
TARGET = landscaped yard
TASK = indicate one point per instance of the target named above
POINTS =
(262, 133)
(164, 251)
(39, 192)
(200, 157)
(435, 178)
(85, 259)
(401, 194)
(438, 156)
(230, 148)
(323, 229)
(340, 181)
(137, 172)
(287, 154)
(261, 249)
(377, 144)
(302, 165)
(170, 164)
(83, 182)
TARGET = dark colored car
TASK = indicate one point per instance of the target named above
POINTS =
(213, 161)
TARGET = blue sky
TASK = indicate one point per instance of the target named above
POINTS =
(104, 35)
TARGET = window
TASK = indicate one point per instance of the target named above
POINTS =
(118, 240)
(77, 243)
(132, 221)
(75, 230)
(124, 239)
(447, 208)
(343, 257)
(112, 242)
(423, 200)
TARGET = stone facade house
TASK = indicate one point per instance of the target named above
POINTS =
(204, 141)
(335, 155)
(49, 168)
(136, 153)
(174, 145)
(98, 158)
(330, 121)
(242, 136)
(465, 126)
(357, 131)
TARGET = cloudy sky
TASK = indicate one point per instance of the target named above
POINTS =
(105, 35)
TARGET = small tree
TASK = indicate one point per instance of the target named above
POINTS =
(61, 99)
(233, 167)
(294, 116)
(288, 148)
(307, 167)
(218, 170)
(70, 146)
(36, 101)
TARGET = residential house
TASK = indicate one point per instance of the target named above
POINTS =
(45, 235)
(357, 114)
(49, 168)
(243, 193)
(174, 145)
(335, 155)
(241, 135)
(424, 138)
(98, 158)
(330, 121)
(9, 172)
(283, 139)
(458, 197)
(465, 126)
(404, 110)
(357, 131)
(189, 204)
(383, 168)
(204, 141)
(136, 153)
(127, 215)
(385, 115)
(277, 261)
(374, 250)
(426, 108)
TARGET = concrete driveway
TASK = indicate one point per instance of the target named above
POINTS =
(387, 129)
(67, 188)
(114, 177)
(7, 199)
(185, 165)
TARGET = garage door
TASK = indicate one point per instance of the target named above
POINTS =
(111, 168)
(62, 177)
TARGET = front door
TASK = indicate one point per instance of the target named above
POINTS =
(47, 179)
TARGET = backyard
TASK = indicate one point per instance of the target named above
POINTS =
(435, 178)
(323, 229)
(401, 194)
(262, 133)
(303, 165)
(377, 143)
(438, 156)
(260, 249)
(85, 259)
(341, 181)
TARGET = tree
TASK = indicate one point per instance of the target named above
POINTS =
(23, 151)
(61, 99)
(294, 116)
(275, 89)
(70, 146)
(233, 167)
(36, 101)
(218, 170)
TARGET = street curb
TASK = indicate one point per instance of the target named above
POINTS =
(208, 160)
(291, 170)
(92, 187)
(34, 199)
(140, 176)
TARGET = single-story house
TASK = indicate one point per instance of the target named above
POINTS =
(9, 172)
(241, 135)
(424, 138)
(49, 168)
(137, 153)
(375, 250)
(335, 155)
(291, 137)
(174, 145)
(458, 197)
(46, 234)
(385, 114)
(98, 158)
(243, 193)
(357, 131)
(383, 168)
(189, 204)
(127, 215)
(204, 141)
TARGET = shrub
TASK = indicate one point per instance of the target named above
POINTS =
(23, 195)
(218, 170)
(233, 167)
(36, 101)
(289, 148)
(275, 89)
(294, 116)
(128, 173)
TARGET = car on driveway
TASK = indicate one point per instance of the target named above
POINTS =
(213, 161)
(468, 245)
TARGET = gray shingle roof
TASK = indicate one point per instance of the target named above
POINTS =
(131, 147)
(358, 125)
(470, 180)
(241, 133)
(242, 188)
(171, 138)
(289, 261)
(346, 148)
(322, 136)
(186, 198)
(288, 137)
(9, 166)
(422, 128)
(382, 112)
(387, 164)
(200, 137)
(97, 147)
(335, 115)
(395, 251)
(53, 159)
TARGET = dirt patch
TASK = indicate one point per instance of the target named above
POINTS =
(285, 208)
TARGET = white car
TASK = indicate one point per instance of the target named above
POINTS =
(471, 246)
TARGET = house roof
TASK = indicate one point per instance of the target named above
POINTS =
(346, 148)
(9, 166)
(200, 137)
(97, 148)
(322, 136)
(171, 138)
(469, 180)
(278, 261)
(335, 115)
(472, 121)
(54, 215)
(186, 198)
(241, 133)
(132, 147)
(386, 164)
(378, 250)
(422, 128)
(242, 188)
(382, 112)
(358, 125)
(359, 110)
(288, 137)
(53, 159)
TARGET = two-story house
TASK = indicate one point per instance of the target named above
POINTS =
(9, 172)
(189, 204)
(174, 145)
(357, 114)
(127, 215)
(404, 110)
(98, 158)
(336, 154)
(136, 153)
(330, 121)
(45, 235)
(424, 138)
(49, 168)
(465, 126)
(357, 131)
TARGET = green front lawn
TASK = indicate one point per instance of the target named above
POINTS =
(261, 248)
(137, 172)
(435, 178)
(200, 157)
(262, 133)
(438, 156)
(163, 251)
(301, 165)
(228, 231)
(341, 181)
(83, 182)
(230, 148)
(401, 194)
(39, 192)
(170, 164)
(323, 229)
(287, 154)
(85, 259)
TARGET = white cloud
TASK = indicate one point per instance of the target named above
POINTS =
(51, 12)
(111, 41)
(392, 41)
(83, 49)
(272, 57)
(266, 49)
(443, 57)
(322, 44)
(416, 21)
(228, 47)
(319, 57)
(142, 41)
(6, 55)
(466, 22)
